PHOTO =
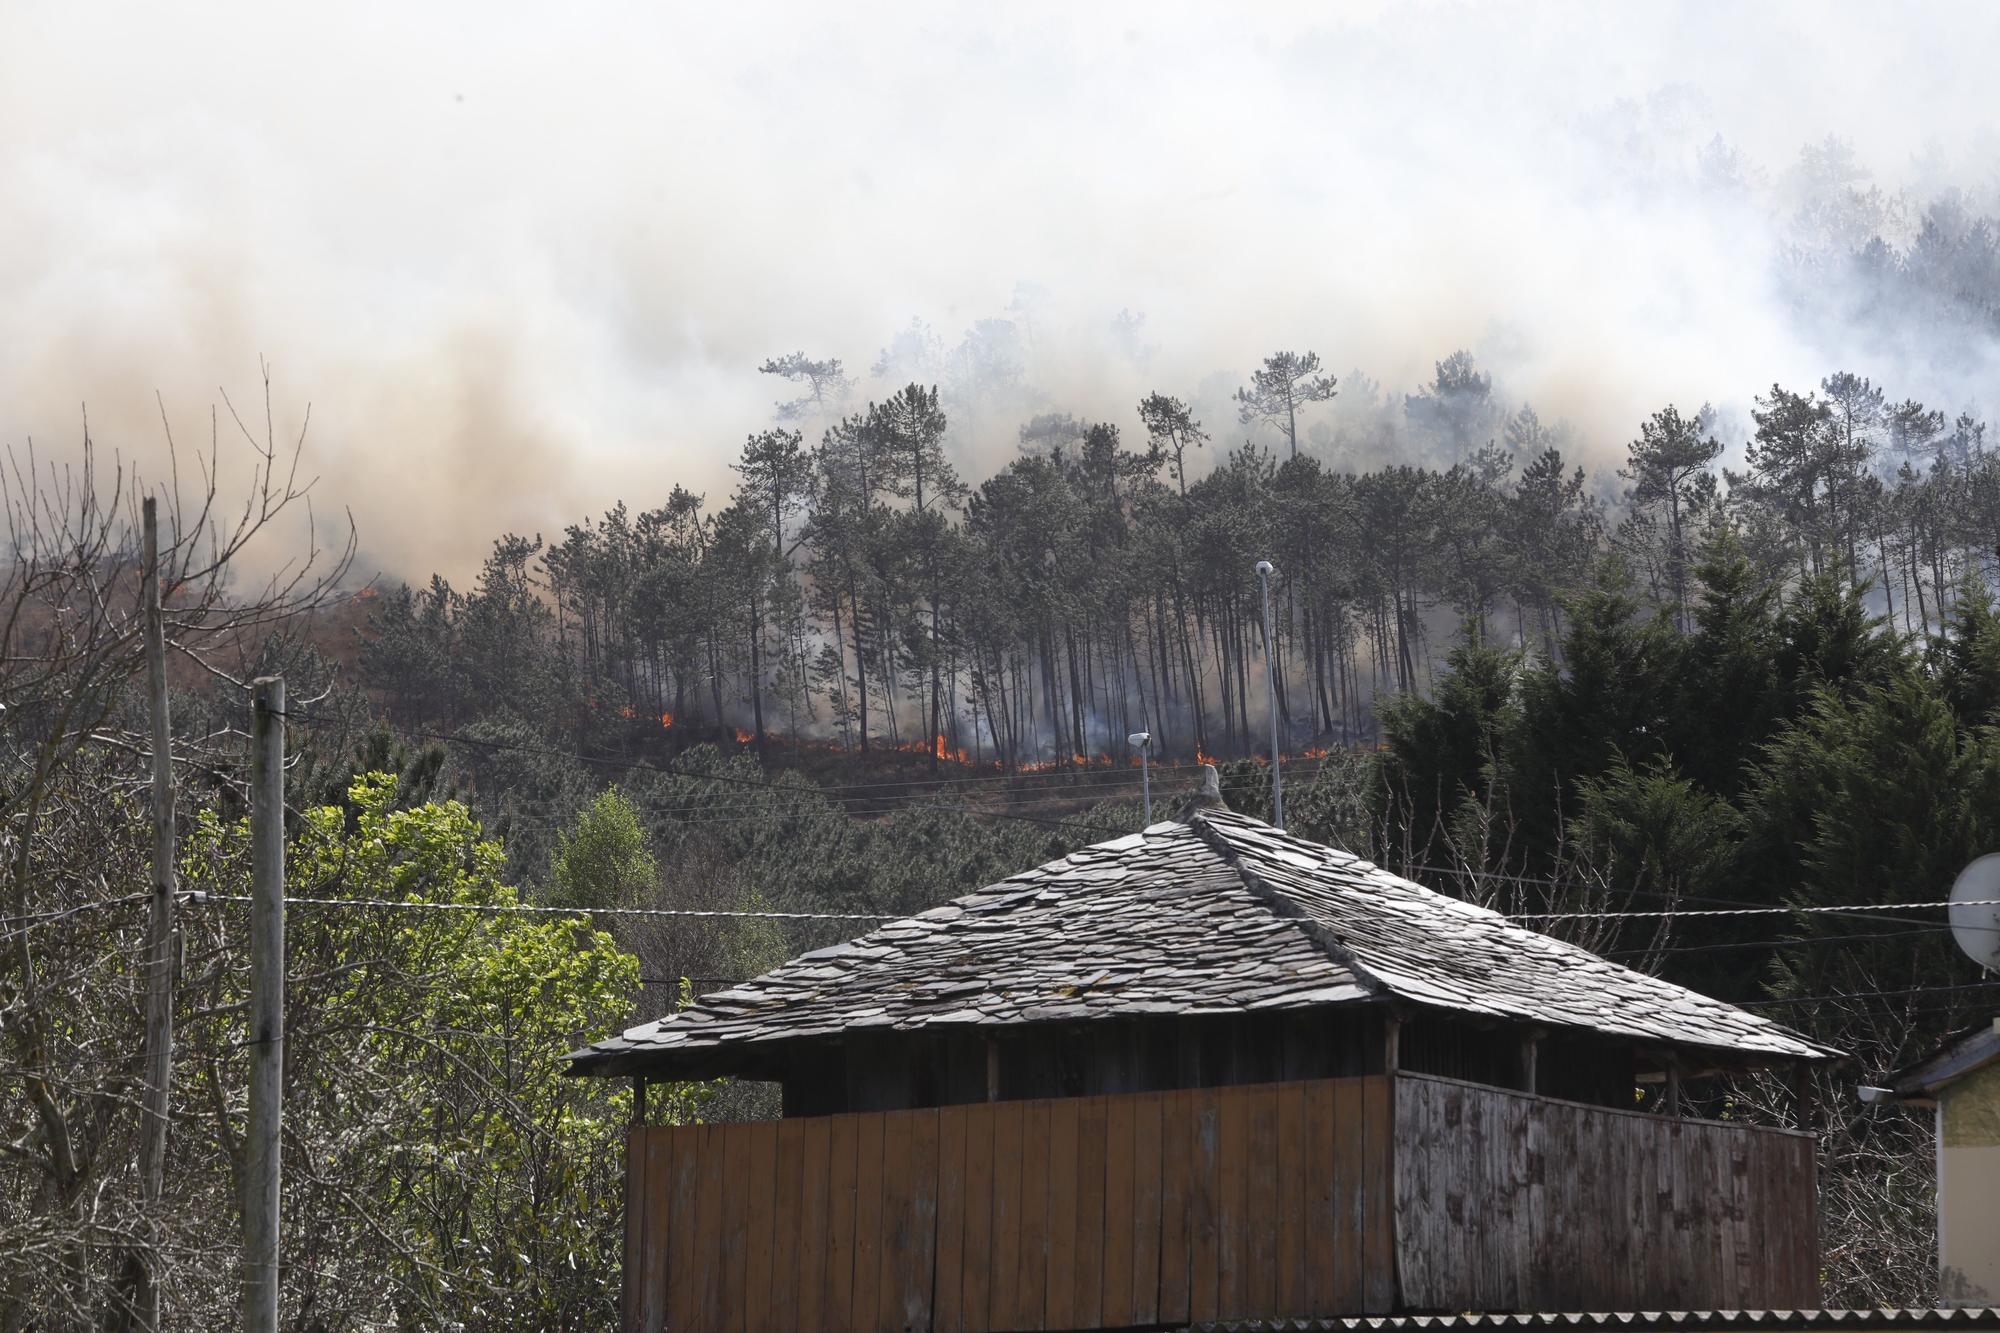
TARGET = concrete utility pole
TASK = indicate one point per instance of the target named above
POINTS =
(159, 925)
(267, 1007)
(1264, 572)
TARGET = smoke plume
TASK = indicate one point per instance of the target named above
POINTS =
(524, 263)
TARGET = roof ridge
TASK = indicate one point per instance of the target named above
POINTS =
(1395, 981)
(1283, 905)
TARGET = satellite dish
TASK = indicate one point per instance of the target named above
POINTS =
(1975, 911)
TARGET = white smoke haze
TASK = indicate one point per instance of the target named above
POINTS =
(524, 262)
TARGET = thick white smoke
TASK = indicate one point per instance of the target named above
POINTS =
(525, 260)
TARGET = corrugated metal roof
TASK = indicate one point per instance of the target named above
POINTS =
(1643, 1321)
(1692, 1321)
(1220, 915)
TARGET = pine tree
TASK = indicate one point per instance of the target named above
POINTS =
(1286, 382)
(1669, 468)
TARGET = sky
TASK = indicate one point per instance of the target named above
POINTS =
(523, 261)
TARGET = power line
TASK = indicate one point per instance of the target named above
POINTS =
(500, 908)
(59, 914)
(1468, 873)
(532, 909)
(1812, 941)
(1749, 911)
(1956, 988)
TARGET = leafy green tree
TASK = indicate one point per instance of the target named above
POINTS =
(604, 859)
(426, 1141)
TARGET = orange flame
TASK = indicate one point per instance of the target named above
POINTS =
(666, 719)
(743, 737)
(627, 713)
(1203, 757)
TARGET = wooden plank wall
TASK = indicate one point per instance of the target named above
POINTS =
(1114, 1211)
(1510, 1202)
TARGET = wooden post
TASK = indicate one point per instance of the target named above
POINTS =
(1392, 1045)
(1531, 1051)
(638, 1101)
(992, 1070)
(1673, 1090)
(159, 1058)
(267, 1008)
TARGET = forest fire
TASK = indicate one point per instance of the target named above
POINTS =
(940, 748)
(937, 748)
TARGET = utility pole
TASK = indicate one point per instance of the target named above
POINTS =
(1264, 572)
(267, 1007)
(159, 927)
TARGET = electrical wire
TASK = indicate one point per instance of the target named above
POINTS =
(498, 908)
(1810, 941)
(1749, 911)
(200, 897)
(36, 918)
(1870, 994)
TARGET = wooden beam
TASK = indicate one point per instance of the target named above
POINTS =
(1392, 1044)
(1531, 1050)
(1802, 1094)
(992, 1070)
(638, 1101)
(1673, 1090)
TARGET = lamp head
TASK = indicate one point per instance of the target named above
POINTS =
(1140, 739)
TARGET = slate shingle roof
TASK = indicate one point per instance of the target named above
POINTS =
(1220, 915)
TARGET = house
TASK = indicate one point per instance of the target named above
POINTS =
(1962, 1083)
(1206, 1071)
